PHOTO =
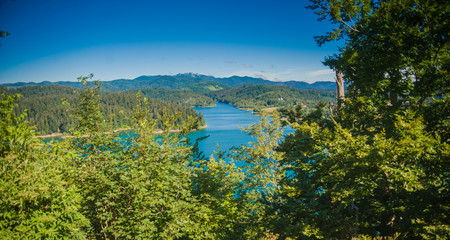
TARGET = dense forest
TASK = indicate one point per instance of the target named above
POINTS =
(46, 112)
(259, 97)
(45, 109)
(377, 168)
(182, 97)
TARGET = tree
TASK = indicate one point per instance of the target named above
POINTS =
(138, 186)
(346, 185)
(37, 198)
(87, 109)
(396, 53)
(374, 169)
(239, 197)
(348, 15)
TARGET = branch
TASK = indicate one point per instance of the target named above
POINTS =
(346, 24)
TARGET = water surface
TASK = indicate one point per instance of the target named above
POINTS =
(223, 122)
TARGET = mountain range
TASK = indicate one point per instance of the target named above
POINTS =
(188, 81)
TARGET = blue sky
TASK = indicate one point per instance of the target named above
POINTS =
(54, 40)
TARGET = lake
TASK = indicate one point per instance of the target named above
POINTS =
(223, 122)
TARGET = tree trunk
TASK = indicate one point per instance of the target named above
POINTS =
(340, 88)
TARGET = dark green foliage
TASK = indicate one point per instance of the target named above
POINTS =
(4, 34)
(45, 111)
(379, 168)
(181, 97)
(396, 53)
(44, 108)
(345, 184)
(258, 97)
(436, 116)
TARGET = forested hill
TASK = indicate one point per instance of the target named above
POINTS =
(187, 81)
(46, 111)
(258, 97)
(182, 97)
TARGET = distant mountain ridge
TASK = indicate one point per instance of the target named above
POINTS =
(188, 81)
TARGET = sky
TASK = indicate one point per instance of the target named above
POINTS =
(54, 40)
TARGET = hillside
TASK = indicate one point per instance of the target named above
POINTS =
(182, 97)
(258, 97)
(46, 112)
(186, 81)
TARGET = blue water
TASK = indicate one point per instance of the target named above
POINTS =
(223, 122)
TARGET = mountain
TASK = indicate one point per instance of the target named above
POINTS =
(186, 81)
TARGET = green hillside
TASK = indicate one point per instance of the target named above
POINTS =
(46, 112)
(182, 97)
(259, 97)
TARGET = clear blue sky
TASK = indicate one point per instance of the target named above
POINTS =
(59, 40)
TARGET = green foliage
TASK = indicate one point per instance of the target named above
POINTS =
(4, 34)
(37, 200)
(45, 111)
(346, 184)
(238, 197)
(138, 187)
(376, 168)
(182, 97)
(436, 117)
(259, 97)
(98, 185)
(87, 109)
(396, 53)
(345, 13)
(206, 86)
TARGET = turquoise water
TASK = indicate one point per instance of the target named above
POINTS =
(223, 122)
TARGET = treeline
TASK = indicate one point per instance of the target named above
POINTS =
(259, 97)
(45, 109)
(182, 97)
(46, 112)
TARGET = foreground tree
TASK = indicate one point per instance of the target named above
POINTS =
(350, 185)
(38, 200)
(98, 185)
(380, 166)
(396, 53)
(137, 187)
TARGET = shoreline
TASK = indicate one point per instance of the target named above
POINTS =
(62, 135)
(205, 106)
